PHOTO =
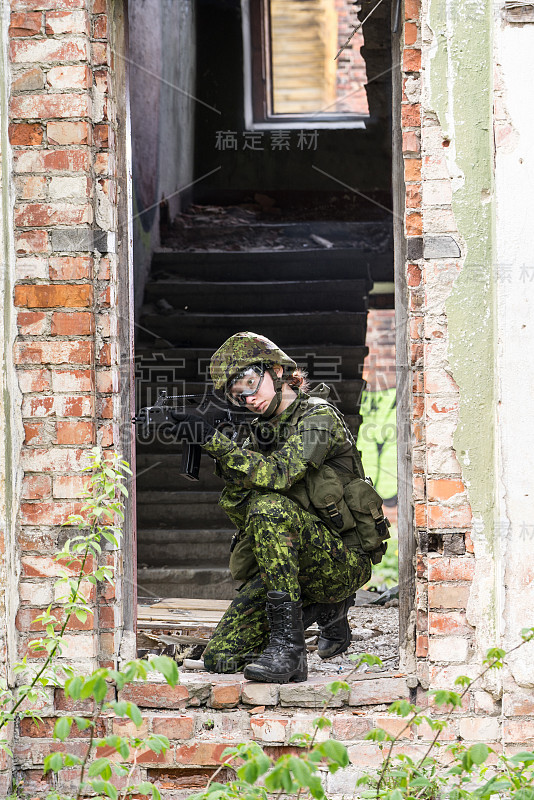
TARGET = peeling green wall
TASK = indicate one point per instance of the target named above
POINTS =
(461, 95)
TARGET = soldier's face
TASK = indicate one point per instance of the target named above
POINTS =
(261, 401)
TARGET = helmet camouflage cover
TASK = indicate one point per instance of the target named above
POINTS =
(242, 350)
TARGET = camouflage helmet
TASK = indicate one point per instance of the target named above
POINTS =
(240, 351)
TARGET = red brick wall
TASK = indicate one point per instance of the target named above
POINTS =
(62, 126)
(379, 368)
(350, 73)
(445, 560)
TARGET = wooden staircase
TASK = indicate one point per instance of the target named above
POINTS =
(312, 303)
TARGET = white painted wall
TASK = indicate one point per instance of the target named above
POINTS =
(514, 249)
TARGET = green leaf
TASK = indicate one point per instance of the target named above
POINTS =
(337, 686)
(479, 753)
(113, 740)
(104, 787)
(110, 538)
(444, 697)
(134, 714)
(101, 767)
(249, 772)
(81, 614)
(62, 728)
(74, 687)
(53, 762)
(300, 769)
(100, 689)
(82, 723)
(144, 788)
(168, 668)
(524, 757)
(377, 735)
(119, 707)
(334, 751)
(523, 794)
(420, 782)
(467, 761)
(300, 739)
(463, 681)
(321, 723)
(402, 708)
(370, 660)
(157, 743)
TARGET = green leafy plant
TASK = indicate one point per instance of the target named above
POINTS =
(466, 773)
(79, 567)
(96, 772)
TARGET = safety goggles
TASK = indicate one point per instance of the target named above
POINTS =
(245, 384)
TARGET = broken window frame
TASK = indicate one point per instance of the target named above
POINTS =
(259, 114)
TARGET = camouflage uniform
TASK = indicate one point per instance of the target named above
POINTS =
(294, 550)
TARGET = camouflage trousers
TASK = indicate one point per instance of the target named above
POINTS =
(297, 554)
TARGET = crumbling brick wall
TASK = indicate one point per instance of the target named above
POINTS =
(445, 563)
(350, 71)
(62, 131)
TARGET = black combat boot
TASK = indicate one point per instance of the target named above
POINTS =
(334, 628)
(284, 658)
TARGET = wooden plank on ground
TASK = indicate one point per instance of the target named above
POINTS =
(181, 613)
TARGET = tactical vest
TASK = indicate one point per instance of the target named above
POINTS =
(335, 492)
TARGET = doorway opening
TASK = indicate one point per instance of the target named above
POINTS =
(279, 223)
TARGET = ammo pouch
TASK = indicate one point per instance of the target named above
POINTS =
(350, 507)
(243, 564)
(372, 526)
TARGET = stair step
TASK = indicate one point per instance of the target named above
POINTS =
(321, 362)
(160, 471)
(212, 583)
(163, 547)
(210, 330)
(343, 234)
(180, 509)
(273, 265)
(269, 298)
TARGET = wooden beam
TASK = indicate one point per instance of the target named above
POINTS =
(407, 548)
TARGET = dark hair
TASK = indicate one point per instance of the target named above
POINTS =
(299, 380)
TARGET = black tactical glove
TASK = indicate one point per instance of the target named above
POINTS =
(192, 428)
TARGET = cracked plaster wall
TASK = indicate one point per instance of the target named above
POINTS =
(477, 130)
(458, 198)
(514, 247)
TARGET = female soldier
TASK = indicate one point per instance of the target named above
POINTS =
(284, 490)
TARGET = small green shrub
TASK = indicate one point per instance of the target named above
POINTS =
(100, 522)
(451, 772)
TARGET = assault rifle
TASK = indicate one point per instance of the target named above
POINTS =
(208, 406)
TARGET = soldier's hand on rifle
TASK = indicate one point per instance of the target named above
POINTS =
(192, 427)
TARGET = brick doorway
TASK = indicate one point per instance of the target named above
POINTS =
(221, 209)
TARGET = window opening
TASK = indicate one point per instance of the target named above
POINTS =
(291, 70)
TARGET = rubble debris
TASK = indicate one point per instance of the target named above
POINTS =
(321, 241)
(164, 307)
(181, 628)
(251, 226)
